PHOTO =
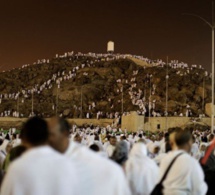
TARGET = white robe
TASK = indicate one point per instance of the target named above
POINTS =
(99, 176)
(141, 171)
(195, 150)
(41, 171)
(105, 145)
(185, 176)
(110, 149)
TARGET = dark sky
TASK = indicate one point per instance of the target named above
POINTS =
(32, 30)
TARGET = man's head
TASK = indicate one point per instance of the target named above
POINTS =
(140, 136)
(203, 147)
(34, 132)
(59, 133)
(120, 154)
(123, 137)
(113, 140)
(156, 150)
(13, 136)
(183, 140)
(77, 138)
(94, 148)
(211, 137)
(172, 143)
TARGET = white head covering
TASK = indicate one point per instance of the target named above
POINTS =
(139, 150)
(141, 171)
(200, 153)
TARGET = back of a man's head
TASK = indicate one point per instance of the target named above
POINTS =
(94, 148)
(211, 137)
(123, 137)
(183, 139)
(35, 131)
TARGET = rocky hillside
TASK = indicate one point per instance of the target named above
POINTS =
(97, 84)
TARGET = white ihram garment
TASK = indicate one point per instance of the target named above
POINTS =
(99, 175)
(141, 171)
(41, 171)
(185, 176)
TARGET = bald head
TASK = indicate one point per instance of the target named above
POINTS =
(60, 123)
(59, 133)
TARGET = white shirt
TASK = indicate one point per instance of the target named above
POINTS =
(185, 176)
(106, 144)
(195, 150)
(99, 176)
(110, 149)
(41, 171)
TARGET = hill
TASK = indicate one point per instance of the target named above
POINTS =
(79, 84)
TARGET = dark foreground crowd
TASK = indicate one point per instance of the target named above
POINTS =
(53, 158)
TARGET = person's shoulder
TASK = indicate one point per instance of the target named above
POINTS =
(105, 162)
(185, 159)
(112, 169)
(167, 156)
(92, 156)
(194, 161)
(109, 146)
(17, 167)
(172, 154)
(78, 151)
(108, 164)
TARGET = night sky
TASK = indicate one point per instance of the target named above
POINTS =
(39, 29)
